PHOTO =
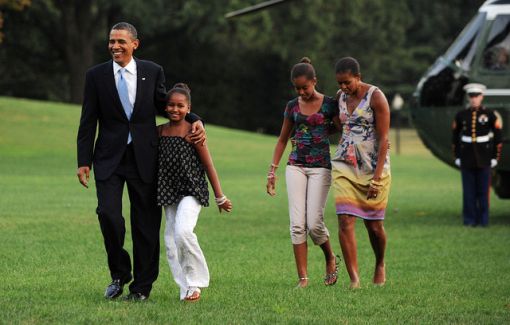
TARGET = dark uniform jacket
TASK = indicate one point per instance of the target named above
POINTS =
(476, 137)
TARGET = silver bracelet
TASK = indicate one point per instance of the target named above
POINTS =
(220, 200)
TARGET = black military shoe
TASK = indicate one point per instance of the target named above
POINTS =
(136, 296)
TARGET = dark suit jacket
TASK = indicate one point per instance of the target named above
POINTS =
(102, 106)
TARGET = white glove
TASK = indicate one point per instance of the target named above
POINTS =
(494, 163)
(457, 162)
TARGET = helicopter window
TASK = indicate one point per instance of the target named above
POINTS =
(497, 52)
(462, 51)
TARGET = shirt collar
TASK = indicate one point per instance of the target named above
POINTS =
(130, 67)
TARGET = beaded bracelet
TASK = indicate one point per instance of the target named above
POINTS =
(375, 184)
(220, 200)
(272, 169)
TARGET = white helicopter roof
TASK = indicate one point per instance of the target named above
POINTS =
(495, 7)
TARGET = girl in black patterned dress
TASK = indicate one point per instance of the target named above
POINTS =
(182, 191)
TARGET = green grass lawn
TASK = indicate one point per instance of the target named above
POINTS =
(53, 265)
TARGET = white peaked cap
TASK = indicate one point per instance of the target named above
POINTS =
(475, 88)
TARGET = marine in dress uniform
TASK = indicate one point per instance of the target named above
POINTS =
(477, 147)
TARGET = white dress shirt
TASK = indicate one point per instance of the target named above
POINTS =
(129, 76)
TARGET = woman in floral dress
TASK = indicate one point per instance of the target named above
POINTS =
(361, 166)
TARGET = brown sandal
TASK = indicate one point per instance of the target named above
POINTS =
(192, 295)
(331, 278)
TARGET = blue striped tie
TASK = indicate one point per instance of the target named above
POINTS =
(124, 98)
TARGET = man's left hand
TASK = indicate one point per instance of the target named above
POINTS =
(494, 163)
(198, 133)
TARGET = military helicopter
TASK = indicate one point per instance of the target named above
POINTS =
(479, 54)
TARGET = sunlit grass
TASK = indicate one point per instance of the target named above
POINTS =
(53, 264)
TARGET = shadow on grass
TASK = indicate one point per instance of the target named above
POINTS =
(499, 218)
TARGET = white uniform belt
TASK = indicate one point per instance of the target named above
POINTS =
(483, 138)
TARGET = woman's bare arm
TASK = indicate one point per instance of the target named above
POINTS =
(381, 110)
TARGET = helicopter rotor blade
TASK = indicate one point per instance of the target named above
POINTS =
(254, 8)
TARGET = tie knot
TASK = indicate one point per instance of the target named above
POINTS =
(121, 71)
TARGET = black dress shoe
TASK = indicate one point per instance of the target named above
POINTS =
(114, 289)
(136, 296)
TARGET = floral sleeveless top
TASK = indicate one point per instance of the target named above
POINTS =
(310, 142)
(358, 146)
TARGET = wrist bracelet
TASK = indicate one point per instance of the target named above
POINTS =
(272, 168)
(375, 184)
(220, 200)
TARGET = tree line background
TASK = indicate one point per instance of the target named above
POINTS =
(238, 69)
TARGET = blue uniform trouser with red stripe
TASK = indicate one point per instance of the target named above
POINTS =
(475, 186)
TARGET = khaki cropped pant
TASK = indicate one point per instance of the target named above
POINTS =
(307, 189)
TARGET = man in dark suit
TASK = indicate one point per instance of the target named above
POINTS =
(476, 143)
(123, 96)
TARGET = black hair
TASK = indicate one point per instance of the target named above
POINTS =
(348, 64)
(303, 68)
(126, 26)
(180, 88)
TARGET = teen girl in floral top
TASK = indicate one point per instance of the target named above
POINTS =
(308, 171)
(310, 143)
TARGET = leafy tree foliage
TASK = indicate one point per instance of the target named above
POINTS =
(16, 5)
(238, 69)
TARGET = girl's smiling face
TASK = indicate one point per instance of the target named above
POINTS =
(177, 107)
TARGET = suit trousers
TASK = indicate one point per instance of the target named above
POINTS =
(185, 257)
(307, 190)
(145, 217)
(476, 190)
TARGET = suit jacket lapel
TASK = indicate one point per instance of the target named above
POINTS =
(112, 88)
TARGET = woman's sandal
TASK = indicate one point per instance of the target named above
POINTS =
(299, 285)
(331, 278)
(192, 295)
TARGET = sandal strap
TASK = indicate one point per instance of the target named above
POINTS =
(192, 290)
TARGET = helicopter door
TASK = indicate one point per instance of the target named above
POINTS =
(442, 85)
(494, 69)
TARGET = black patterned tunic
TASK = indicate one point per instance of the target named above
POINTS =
(180, 172)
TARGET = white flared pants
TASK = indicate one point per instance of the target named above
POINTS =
(185, 257)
